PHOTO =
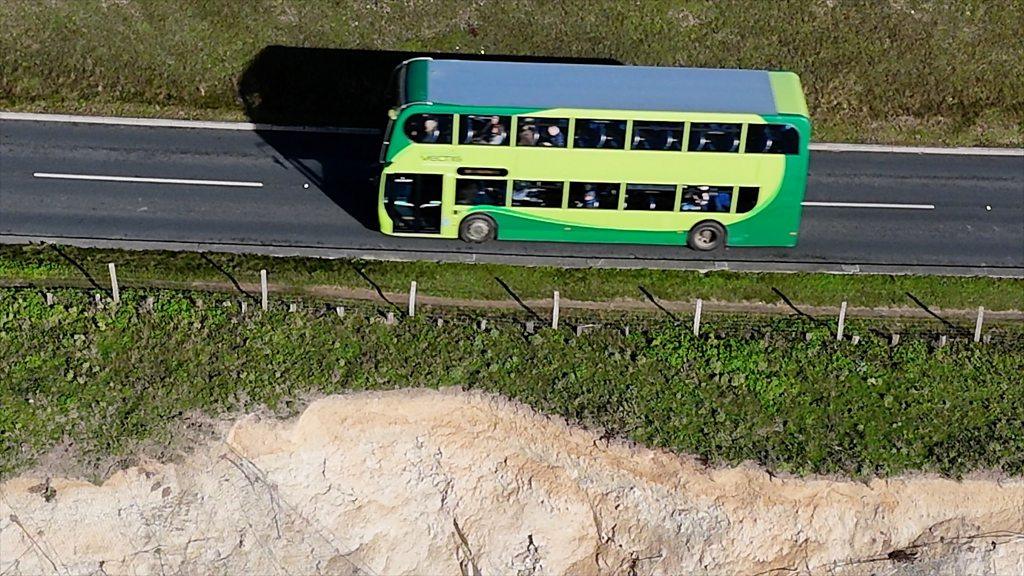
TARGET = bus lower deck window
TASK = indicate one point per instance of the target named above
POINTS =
(478, 192)
(747, 199)
(536, 194)
(706, 199)
(650, 197)
(603, 196)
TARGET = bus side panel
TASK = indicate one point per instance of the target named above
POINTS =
(526, 224)
(778, 223)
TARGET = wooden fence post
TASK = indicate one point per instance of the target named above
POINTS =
(554, 312)
(263, 288)
(842, 321)
(412, 299)
(114, 289)
(696, 317)
(977, 326)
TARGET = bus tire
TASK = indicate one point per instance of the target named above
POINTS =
(477, 228)
(706, 236)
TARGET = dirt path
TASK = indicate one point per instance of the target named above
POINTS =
(399, 299)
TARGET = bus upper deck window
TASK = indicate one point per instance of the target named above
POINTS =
(492, 130)
(772, 139)
(600, 134)
(657, 136)
(429, 128)
(707, 137)
(550, 132)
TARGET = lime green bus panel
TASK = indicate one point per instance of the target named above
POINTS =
(789, 94)
(774, 221)
(520, 224)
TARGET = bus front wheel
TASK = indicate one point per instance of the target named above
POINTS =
(706, 236)
(477, 228)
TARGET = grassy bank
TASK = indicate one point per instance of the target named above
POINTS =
(107, 381)
(907, 71)
(56, 265)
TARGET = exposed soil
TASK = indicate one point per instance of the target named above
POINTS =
(443, 482)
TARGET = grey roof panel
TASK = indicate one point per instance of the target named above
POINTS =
(532, 85)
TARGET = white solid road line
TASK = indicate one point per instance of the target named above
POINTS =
(148, 180)
(870, 205)
(167, 123)
(886, 149)
(212, 125)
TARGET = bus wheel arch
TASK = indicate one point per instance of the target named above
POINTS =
(477, 228)
(706, 235)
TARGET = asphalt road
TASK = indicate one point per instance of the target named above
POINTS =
(977, 224)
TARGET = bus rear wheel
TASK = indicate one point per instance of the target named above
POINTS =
(477, 228)
(706, 236)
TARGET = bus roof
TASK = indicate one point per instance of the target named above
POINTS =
(592, 86)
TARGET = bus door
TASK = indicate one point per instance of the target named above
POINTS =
(413, 202)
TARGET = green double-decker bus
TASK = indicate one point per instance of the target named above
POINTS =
(481, 150)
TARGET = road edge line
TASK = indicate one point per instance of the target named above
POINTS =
(250, 126)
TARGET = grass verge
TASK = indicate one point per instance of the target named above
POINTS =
(897, 71)
(44, 263)
(108, 379)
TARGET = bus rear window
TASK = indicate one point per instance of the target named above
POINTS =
(429, 128)
(772, 139)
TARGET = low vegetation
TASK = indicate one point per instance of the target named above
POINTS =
(905, 71)
(104, 380)
(50, 265)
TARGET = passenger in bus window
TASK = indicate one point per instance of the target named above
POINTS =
(695, 200)
(554, 137)
(527, 135)
(430, 131)
(496, 132)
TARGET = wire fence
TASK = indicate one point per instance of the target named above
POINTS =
(704, 320)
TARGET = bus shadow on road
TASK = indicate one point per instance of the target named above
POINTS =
(335, 87)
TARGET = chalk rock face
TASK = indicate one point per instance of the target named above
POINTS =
(427, 482)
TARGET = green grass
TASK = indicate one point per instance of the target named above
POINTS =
(900, 71)
(39, 264)
(110, 380)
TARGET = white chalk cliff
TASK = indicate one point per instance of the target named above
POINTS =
(427, 482)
